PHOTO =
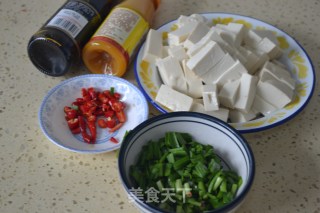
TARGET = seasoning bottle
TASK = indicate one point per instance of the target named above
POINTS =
(56, 47)
(115, 42)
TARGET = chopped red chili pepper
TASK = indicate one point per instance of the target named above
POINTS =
(84, 113)
(113, 140)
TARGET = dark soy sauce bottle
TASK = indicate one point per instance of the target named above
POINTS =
(56, 47)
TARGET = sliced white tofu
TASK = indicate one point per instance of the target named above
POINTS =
(216, 71)
(221, 113)
(171, 73)
(267, 46)
(267, 34)
(173, 99)
(278, 72)
(247, 92)
(233, 73)
(195, 18)
(236, 116)
(228, 93)
(153, 46)
(262, 106)
(165, 51)
(179, 35)
(263, 58)
(239, 29)
(231, 33)
(200, 44)
(210, 97)
(206, 58)
(196, 35)
(178, 52)
(275, 93)
(251, 38)
(194, 83)
(251, 59)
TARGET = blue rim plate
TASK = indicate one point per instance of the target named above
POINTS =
(186, 117)
(295, 58)
(54, 126)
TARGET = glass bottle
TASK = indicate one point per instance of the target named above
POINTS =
(111, 48)
(56, 47)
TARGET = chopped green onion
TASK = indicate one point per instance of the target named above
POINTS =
(192, 170)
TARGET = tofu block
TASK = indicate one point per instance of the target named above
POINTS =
(262, 106)
(177, 52)
(228, 93)
(263, 58)
(233, 37)
(275, 93)
(210, 97)
(217, 70)
(194, 18)
(165, 51)
(196, 35)
(233, 73)
(221, 113)
(206, 58)
(194, 83)
(267, 34)
(173, 99)
(273, 70)
(236, 116)
(267, 46)
(179, 35)
(171, 73)
(153, 46)
(247, 92)
(200, 44)
(251, 38)
(251, 59)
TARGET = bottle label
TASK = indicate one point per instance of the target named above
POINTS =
(70, 21)
(124, 26)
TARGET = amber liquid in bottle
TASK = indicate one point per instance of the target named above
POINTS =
(56, 47)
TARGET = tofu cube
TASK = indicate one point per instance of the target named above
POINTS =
(196, 35)
(177, 52)
(228, 93)
(153, 46)
(194, 83)
(173, 99)
(221, 113)
(210, 97)
(236, 116)
(275, 93)
(219, 69)
(206, 58)
(171, 73)
(262, 106)
(247, 92)
(179, 35)
(273, 70)
(233, 73)
(267, 46)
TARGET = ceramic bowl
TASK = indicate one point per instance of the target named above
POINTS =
(294, 58)
(52, 119)
(228, 144)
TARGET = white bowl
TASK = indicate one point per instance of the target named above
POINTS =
(229, 145)
(52, 119)
(294, 58)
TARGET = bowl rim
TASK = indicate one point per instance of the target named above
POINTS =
(251, 160)
(85, 76)
(251, 130)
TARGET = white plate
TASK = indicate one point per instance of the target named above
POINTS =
(54, 125)
(294, 57)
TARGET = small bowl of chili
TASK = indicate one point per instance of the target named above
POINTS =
(91, 113)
